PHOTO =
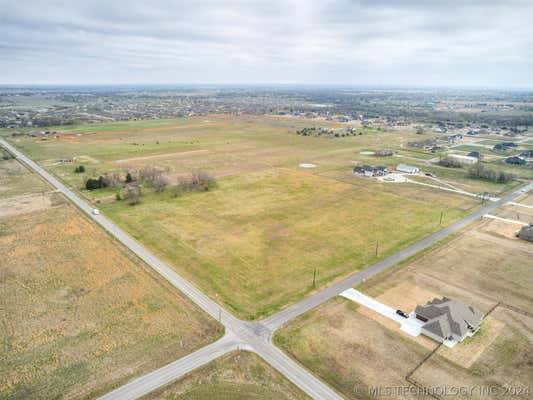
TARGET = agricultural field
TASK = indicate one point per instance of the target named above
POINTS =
(483, 266)
(16, 180)
(270, 232)
(234, 376)
(80, 314)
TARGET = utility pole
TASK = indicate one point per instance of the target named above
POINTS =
(441, 214)
(377, 247)
(314, 277)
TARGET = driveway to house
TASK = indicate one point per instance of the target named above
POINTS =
(252, 336)
(409, 325)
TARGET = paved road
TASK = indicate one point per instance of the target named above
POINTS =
(253, 336)
(249, 335)
(162, 376)
(276, 321)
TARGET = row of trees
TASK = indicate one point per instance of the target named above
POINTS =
(130, 188)
(481, 172)
(450, 162)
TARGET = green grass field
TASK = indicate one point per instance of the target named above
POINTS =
(255, 241)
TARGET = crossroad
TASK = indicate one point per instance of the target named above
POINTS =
(239, 334)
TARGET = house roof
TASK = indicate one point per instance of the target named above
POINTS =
(526, 233)
(448, 318)
(406, 167)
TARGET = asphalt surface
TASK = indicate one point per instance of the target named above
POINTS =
(252, 336)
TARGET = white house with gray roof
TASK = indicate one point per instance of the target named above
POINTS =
(448, 321)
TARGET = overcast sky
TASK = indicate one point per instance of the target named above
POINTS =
(371, 42)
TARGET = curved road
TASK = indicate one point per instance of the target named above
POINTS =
(252, 336)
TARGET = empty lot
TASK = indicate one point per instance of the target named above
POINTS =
(80, 315)
(351, 346)
(237, 375)
(257, 240)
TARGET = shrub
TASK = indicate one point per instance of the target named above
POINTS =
(79, 169)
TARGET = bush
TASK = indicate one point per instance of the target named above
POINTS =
(79, 169)
(92, 183)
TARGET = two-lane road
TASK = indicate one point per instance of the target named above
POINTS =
(253, 336)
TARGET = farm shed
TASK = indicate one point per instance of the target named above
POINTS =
(409, 169)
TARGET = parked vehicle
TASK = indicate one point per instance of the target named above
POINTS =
(402, 313)
(96, 211)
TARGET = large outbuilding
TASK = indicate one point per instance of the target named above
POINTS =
(461, 159)
(448, 321)
(408, 169)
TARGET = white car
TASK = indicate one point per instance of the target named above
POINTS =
(96, 211)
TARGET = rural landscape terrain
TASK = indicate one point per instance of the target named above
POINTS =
(252, 253)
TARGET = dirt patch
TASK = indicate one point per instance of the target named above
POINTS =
(24, 204)
(500, 228)
(86, 159)
(11, 167)
(161, 156)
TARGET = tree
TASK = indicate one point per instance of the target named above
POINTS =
(79, 169)
(133, 194)
(129, 178)
(159, 183)
(92, 184)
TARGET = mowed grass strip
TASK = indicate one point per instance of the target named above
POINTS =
(237, 375)
(80, 315)
(256, 240)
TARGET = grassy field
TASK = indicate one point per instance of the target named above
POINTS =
(349, 350)
(484, 266)
(15, 180)
(255, 241)
(235, 376)
(80, 315)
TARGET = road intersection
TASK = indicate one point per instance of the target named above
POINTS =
(240, 334)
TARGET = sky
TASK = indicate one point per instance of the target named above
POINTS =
(468, 43)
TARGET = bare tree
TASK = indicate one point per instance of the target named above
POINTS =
(154, 176)
(133, 194)
(196, 181)
(159, 183)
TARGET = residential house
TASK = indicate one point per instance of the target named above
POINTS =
(475, 154)
(526, 233)
(370, 170)
(448, 321)
(515, 161)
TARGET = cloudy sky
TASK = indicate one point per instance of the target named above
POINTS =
(485, 43)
